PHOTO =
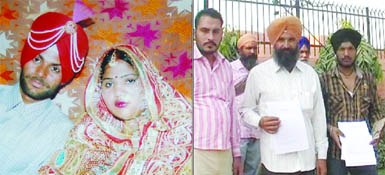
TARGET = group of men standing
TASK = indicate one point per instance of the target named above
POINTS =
(236, 122)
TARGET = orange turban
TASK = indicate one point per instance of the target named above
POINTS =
(289, 24)
(245, 39)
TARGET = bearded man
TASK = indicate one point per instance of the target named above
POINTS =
(248, 54)
(285, 79)
(304, 49)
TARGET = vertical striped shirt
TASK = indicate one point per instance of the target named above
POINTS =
(215, 120)
(361, 104)
(240, 74)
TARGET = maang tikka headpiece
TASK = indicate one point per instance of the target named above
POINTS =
(113, 59)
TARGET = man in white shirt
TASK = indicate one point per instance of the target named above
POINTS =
(283, 78)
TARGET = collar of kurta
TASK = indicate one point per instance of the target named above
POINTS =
(17, 100)
(299, 66)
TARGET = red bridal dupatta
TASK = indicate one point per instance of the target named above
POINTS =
(102, 144)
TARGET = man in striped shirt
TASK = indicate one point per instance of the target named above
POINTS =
(216, 132)
(349, 95)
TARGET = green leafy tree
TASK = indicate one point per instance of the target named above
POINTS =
(228, 47)
(367, 58)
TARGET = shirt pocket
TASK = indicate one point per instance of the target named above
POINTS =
(306, 100)
(365, 103)
(335, 105)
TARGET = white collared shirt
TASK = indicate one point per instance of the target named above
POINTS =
(29, 133)
(269, 82)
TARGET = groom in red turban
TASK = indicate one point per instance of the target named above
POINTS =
(32, 127)
(56, 32)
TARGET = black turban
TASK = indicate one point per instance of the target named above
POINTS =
(344, 35)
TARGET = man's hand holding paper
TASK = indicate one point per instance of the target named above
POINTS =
(269, 124)
(356, 145)
(287, 125)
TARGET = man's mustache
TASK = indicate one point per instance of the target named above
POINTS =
(212, 42)
(40, 80)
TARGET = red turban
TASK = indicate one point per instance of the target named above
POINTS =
(71, 41)
(289, 24)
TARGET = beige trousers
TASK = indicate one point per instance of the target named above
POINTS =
(213, 162)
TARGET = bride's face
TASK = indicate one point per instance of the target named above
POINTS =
(122, 90)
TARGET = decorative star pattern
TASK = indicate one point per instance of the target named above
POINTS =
(5, 74)
(146, 33)
(185, 63)
(151, 7)
(117, 10)
(66, 101)
(107, 35)
(170, 58)
(43, 9)
(7, 15)
(4, 44)
(182, 28)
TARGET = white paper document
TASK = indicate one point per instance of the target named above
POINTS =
(291, 135)
(356, 148)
